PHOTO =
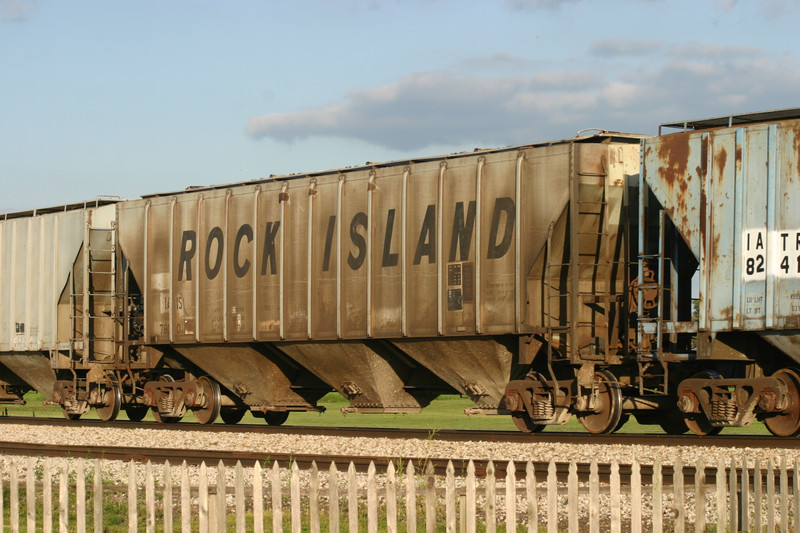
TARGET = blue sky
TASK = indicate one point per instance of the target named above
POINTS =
(130, 98)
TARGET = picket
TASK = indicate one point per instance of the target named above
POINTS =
(451, 501)
(295, 497)
(98, 498)
(47, 498)
(238, 480)
(530, 488)
(313, 499)
(594, 498)
(150, 499)
(258, 499)
(572, 496)
(471, 504)
(202, 498)
(186, 510)
(277, 498)
(167, 475)
(333, 497)
(511, 497)
(411, 497)
(491, 513)
(14, 504)
(677, 483)
(699, 495)
(391, 499)
(658, 524)
(30, 493)
(733, 495)
(552, 498)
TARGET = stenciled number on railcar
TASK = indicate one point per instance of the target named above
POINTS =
(782, 247)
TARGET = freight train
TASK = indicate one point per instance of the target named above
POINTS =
(601, 276)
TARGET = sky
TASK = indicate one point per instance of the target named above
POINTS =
(128, 98)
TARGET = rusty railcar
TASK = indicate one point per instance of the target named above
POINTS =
(720, 206)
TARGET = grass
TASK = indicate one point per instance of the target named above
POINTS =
(446, 412)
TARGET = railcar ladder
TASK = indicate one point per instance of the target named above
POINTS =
(95, 320)
(650, 321)
(587, 235)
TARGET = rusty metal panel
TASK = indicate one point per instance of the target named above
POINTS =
(732, 194)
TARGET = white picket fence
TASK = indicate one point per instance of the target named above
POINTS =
(70, 495)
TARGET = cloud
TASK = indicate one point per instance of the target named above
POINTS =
(451, 108)
(620, 47)
(499, 60)
(17, 10)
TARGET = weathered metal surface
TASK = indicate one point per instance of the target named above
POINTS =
(477, 367)
(260, 379)
(732, 194)
(38, 253)
(371, 375)
(439, 248)
(419, 250)
(33, 368)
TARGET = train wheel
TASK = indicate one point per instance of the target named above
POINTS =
(608, 410)
(136, 413)
(698, 423)
(525, 423)
(112, 401)
(208, 413)
(787, 424)
(232, 416)
(276, 418)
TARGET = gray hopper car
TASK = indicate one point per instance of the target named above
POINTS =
(541, 281)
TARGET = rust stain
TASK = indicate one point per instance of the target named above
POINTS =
(796, 143)
(673, 154)
(721, 159)
(726, 313)
(738, 159)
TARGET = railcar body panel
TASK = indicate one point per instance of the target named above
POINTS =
(311, 267)
(732, 193)
(416, 250)
(42, 276)
(38, 255)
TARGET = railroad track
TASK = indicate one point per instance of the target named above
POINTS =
(644, 439)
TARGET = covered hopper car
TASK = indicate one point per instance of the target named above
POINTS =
(601, 276)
